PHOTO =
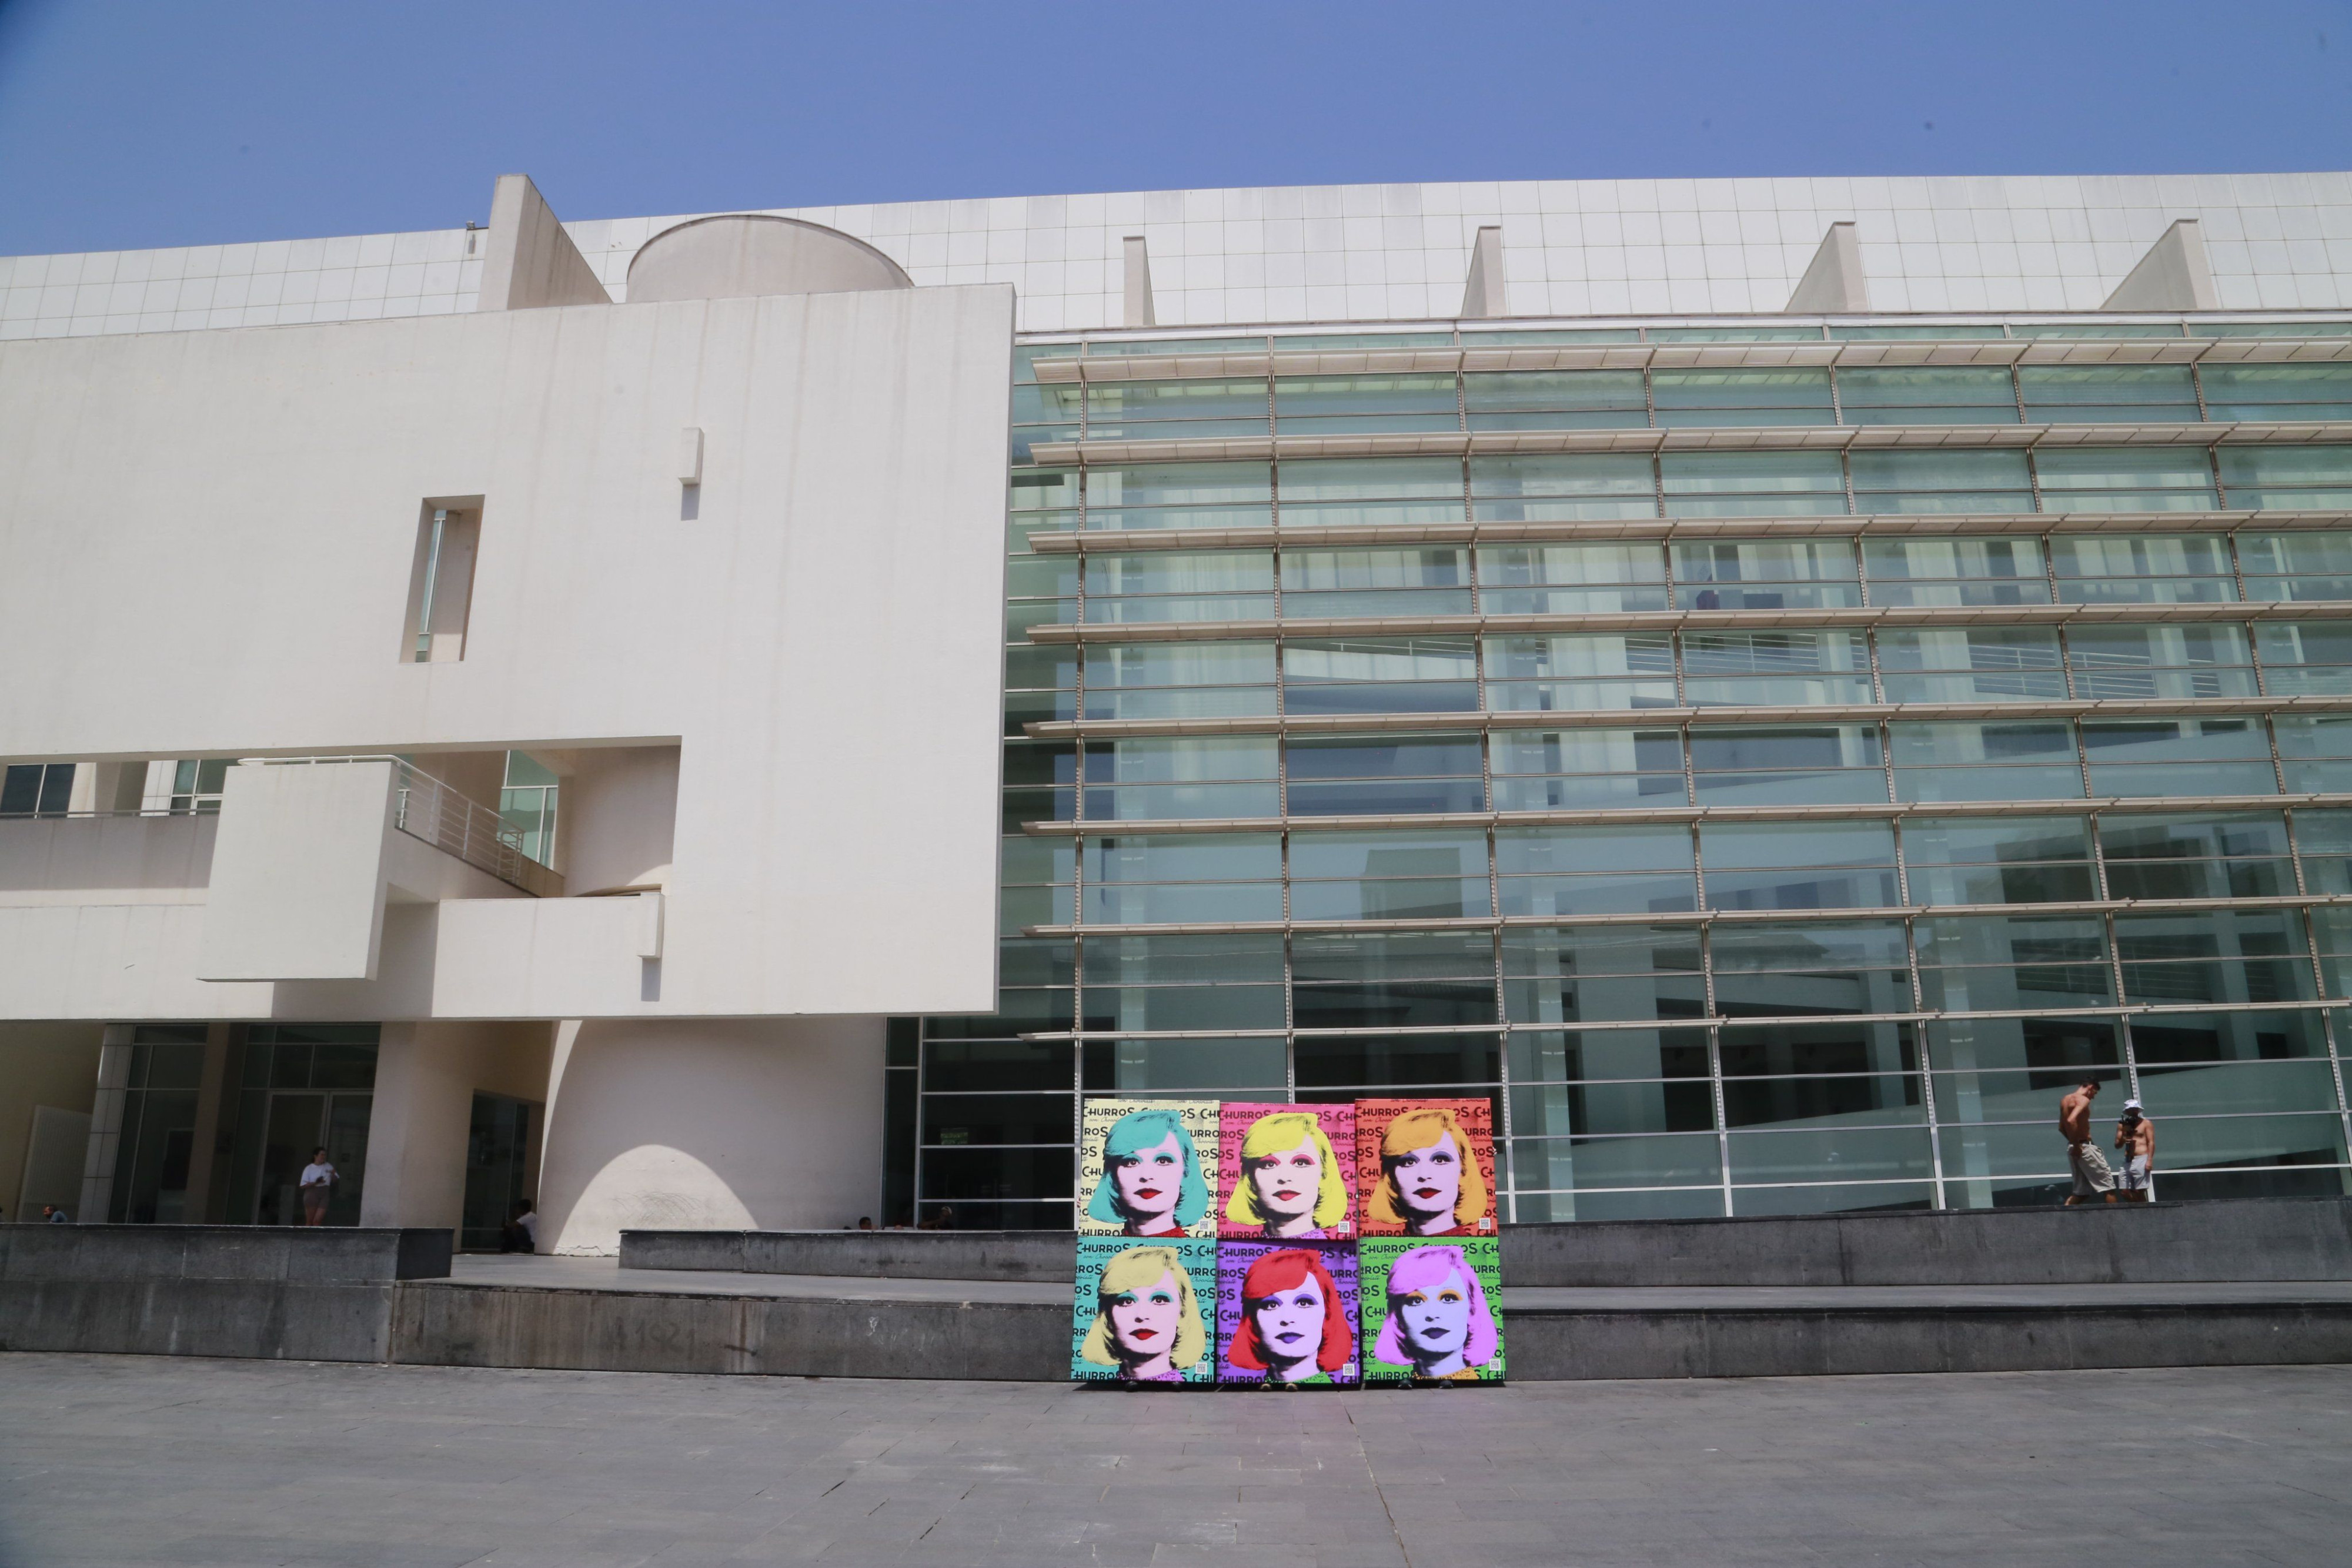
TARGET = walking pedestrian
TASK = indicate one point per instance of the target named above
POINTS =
(2093, 1175)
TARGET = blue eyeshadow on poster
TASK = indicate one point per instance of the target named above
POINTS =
(1141, 1310)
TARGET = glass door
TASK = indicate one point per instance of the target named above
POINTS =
(497, 1174)
(292, 1132)
(347, 1140)
(302, 1087)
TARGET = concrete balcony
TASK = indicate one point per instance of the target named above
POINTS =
(337, 888)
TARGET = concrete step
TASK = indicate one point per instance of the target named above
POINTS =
(2255, 1239)
(2107, 1244)
(589, 1314)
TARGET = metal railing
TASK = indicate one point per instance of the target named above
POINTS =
(425, 808)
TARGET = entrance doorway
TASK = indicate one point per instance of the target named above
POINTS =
(297, 1125)
(302, 1087)
(498, 1168)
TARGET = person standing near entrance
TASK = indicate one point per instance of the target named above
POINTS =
(317, 1183)
(2135, 1136)
(2093, 1174)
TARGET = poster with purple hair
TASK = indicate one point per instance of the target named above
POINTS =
(1431, 1311)
(1287, 1313)
(1285, 1172)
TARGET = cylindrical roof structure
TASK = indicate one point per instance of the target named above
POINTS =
(738, 254)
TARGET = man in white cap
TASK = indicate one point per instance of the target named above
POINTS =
(2135, 1136)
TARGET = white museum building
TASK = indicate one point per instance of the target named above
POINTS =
(749, 720)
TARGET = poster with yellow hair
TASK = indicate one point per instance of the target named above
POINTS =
(1142, 1311)
(1287, 1172)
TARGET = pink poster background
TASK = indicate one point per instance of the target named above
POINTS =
(1236, 1118)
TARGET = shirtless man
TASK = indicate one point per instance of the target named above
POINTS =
(2091, 1173)
(2135, 1136)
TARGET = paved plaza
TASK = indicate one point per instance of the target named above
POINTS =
(119, 1460)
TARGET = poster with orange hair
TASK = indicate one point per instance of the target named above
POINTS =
(1425, 1167)
(1285, 1172)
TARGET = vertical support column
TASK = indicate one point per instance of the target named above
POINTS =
(1135, 305)
(417, 1125)
(106, 1123)
(1833, 282)
(1483, 292)
(205, 1157)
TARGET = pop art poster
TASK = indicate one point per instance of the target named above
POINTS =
(1425, 1167)
(1286, 1315)
(1145, 1166)
(1286, 1173)
(1431, 1311)
(1143, 1310)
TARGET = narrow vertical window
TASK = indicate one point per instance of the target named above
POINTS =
(441, 583)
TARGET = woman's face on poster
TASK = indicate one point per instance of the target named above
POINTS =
(1287, 1182)
(1150, 1180)
(1143, 1321)
(1429, 1181)
(1290, 1323)
(1436, 1321)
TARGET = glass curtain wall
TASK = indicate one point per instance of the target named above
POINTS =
(1762, 831)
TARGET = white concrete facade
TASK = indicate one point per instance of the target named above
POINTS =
(400, 552)
(840, 565)
(1332, 253)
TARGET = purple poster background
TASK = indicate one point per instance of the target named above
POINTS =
(1234, 1261)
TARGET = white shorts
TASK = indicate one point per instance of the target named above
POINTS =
(2139, 1176)
(2093, 1175)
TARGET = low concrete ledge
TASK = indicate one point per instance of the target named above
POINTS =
(294, 1254)
(1548, 1345)
(267, 1292)
(504, 1325)
(465, 1324)
(2284, 1239)
(1049, 1256)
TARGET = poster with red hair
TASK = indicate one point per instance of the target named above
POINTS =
(1425, 1167)
(1287, 1314)
(1285, 1172)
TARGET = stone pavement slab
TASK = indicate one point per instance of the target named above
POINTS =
(133, 1460)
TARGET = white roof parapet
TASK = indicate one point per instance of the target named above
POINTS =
(1834, 283)
(1135, 305)
(1483, 293)
(530, 261)
(2175, 274)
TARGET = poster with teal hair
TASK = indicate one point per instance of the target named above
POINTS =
(1144, 1311)
(1145, 1167)
(1433, 1311)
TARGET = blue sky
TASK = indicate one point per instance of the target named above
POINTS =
(128, 124)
